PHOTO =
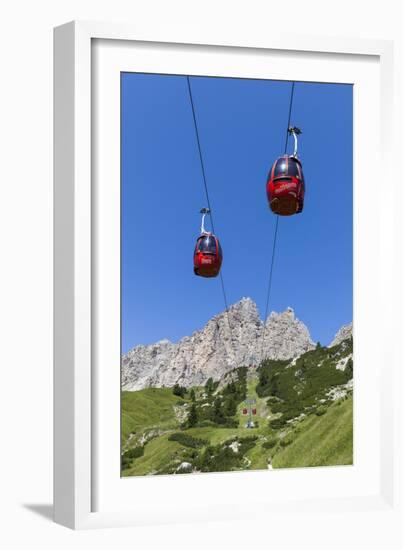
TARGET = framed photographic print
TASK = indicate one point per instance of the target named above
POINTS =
(217, 387)
(221, 253)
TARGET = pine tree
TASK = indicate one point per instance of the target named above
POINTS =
(230, 406)
(209, 386)
(217, 411)
(179, 390)
(193, 417)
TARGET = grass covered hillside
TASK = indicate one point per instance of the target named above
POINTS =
(321, 440)
(303, 417)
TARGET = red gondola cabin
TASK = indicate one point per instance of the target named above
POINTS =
(208, 256)
(244, 411)
(285, 186)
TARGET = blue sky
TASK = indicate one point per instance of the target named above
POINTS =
(242, 127)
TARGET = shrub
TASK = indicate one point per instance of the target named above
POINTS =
(179, 390)
(277, 406)
(349, 369)
(272, 399)
(247, 443)
(287, 440)
(136, 452)
(227, 422)
(269, 444)
(298, 387)
(210, 387)
(221, 458)
(215, 459)
(130, 455)
(277, 423)
(187, 440)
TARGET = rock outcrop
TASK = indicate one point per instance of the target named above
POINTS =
(228, 340)
(344, 333)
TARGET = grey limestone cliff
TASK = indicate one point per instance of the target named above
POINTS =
(344, 333)
(228, 340)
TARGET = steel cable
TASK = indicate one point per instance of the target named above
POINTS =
(270, 280)
(209, 205)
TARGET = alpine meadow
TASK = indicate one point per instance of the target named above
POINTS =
(293, 409)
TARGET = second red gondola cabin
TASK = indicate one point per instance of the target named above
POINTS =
(207, 258)
(285, 186)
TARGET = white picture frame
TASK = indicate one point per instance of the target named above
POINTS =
(88, 491)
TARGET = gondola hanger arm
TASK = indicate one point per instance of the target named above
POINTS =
(204, 212)
(294, 131)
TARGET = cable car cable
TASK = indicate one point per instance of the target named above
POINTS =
(200, 153)
(273, 252)
(275, 234)
(289, 118)
(209, 204)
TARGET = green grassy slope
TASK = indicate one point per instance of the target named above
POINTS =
(217, 439)
(321, 440)
(158, 454)
(316, 441)
(152, 407)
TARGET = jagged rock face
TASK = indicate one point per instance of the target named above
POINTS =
(344, 333)
(226, 342)
(285, 336)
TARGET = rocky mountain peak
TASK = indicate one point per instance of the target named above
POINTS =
(229, 340)
(344, 333)
(245, 309)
